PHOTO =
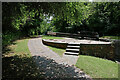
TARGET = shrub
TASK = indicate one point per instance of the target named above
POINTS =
(8, 37)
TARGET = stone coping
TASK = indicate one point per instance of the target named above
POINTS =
(58, 44)
(53, 41)
(79, 42)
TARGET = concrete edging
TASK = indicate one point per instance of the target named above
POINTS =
(62, 45)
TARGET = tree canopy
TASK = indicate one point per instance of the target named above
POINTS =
(32, 18)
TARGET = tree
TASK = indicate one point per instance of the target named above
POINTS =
(100, 17)
(105, 18)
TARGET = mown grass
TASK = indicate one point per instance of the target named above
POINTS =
(93, 66)
(18, 62)
(57, 50)
(51, 37)
(111, 37)
(97, 67)
(21, 47)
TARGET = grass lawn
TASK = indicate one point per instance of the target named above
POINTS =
(18, 62)
(111, 37)
(57, 50)
(97, 67)
(18, 48)
(93, 66)
(21, 47)
(51, 37)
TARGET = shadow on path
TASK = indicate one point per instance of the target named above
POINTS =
(51, 69)
(37, 67)
(51, 64)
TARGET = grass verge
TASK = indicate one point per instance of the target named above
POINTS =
(18, 62)
(97, 67)
(111, 37)
(57, 50)
(93, 66)
(51, 37)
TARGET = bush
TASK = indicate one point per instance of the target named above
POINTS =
(9, 37)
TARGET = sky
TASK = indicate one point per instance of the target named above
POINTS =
(50, 17)
(90, 0)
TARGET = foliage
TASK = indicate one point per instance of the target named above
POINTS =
(32, 18)
(44, 27)
(35, 11)
(9, 37)
(101, 17)
(111, 37)
(60, 25)
(70, 15)
(22, 19)
(105, 18)
(9, 11)
(97, 68)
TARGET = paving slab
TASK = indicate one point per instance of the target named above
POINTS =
(79, 41)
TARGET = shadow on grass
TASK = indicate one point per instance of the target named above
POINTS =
(7, 42)
(17, 67)
(37, 67)
(6, 48)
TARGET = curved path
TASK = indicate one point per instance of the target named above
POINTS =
(51, 64)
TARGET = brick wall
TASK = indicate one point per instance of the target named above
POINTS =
(98, 50)
(55, 44)
(117, 49)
